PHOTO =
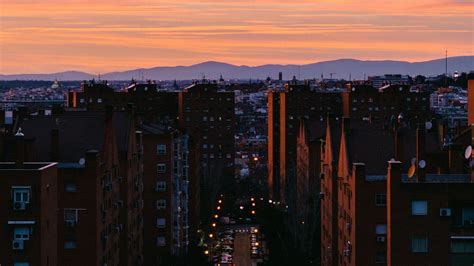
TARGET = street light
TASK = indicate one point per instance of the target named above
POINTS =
(252, 199)
(216, 216)
(220, 201)
(253, 204)
(206, 252)
(211, 235)
(214, 224)
(218, 207)
(253, 212)
(241, 207)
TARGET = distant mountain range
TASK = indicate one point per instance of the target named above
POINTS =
(342, 68)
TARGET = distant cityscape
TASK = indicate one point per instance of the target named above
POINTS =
(273, 171)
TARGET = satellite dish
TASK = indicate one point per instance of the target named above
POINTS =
(411, 171)
(468, 152)
(19, 133)
(422, 164)
(413, 161)
(82, 161)
(428, 125)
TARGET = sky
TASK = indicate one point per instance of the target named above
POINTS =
(99, 36)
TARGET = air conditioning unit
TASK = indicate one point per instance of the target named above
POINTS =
(445, 212)
(18, 244)
(321, 195)
(19, 206)
(380, 239)
(70, 223)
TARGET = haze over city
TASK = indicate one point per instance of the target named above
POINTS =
(102, 36)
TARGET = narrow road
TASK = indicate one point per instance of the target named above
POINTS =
(242, 249)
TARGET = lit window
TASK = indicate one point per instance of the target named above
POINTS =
(419, 244)
(381, 229)
(161, 168)
(160, 223)
(161, 149)
(70, 186)
(204, 118)
(21, 233)
(70, 244)
(161, 241)
(419, 207)
(21, 264)
(161, 204)
(99, 100)
(381, 200)
(70, 215)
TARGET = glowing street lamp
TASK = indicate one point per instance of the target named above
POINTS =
(211, 235)
(220, 201)
(253, 212)
(216, 216)
(214, 224)
(206, 252)
(241, 207)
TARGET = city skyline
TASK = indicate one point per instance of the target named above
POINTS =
(119, 35)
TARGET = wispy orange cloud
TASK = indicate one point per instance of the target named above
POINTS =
(106, 35)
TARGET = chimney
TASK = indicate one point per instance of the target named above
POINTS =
(54, 149)
(399, 145)
(420, 153)
(20, 151)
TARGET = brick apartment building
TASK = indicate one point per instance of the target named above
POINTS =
(284, 110)
(29, 219)
(207, 114)
(384, 105)
(170, 194)
(99, 180)
(150, 101)
(354, 197)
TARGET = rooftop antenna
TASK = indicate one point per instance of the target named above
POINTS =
(446, 69)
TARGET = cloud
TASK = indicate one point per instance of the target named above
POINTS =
(100, 36)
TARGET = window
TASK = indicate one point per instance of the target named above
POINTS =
(419, 207)
(70, 215)
(99, 100)
(160, 223)
(70, 244)
(419, 244)
(161, 168)
(161, 241)
(161, 204)
(462, 246)
(70, 186)
(160, 186)
(21, 264)
(21, 233)
(381, 257)
(161, 149)
(21, 194)
(204, 118)
(381, 200)
(204, 146)
(381, 229)
(468, 215)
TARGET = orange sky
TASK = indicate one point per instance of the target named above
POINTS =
(104, 35)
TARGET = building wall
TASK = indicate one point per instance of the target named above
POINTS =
(41, 247)
(439, 230)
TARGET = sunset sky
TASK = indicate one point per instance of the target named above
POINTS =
(100, 36)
